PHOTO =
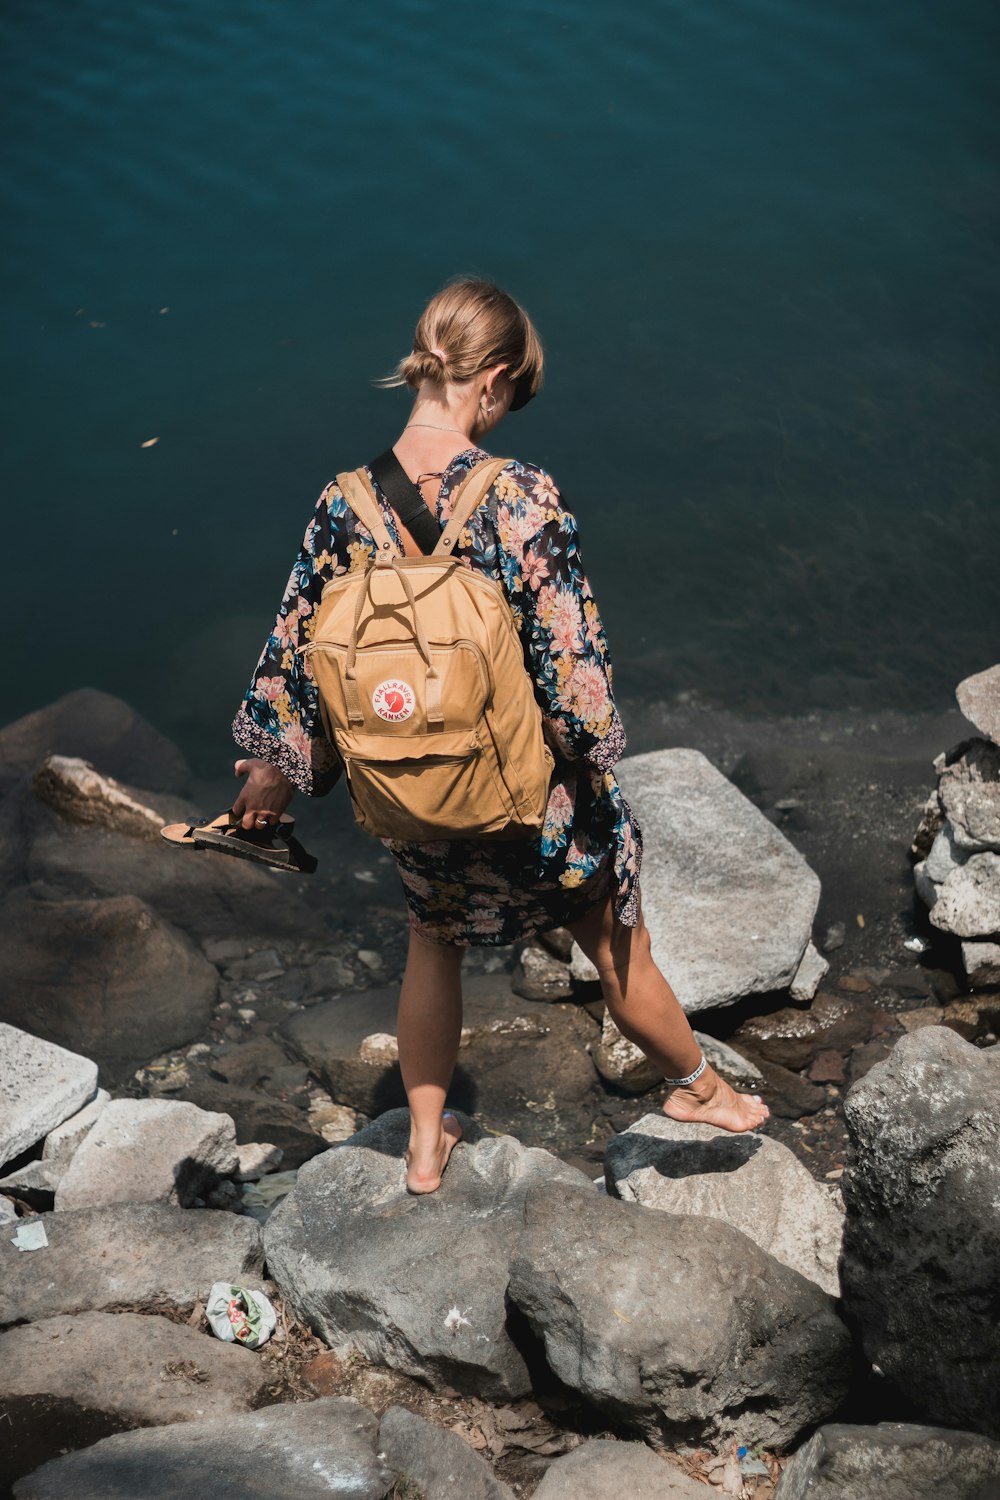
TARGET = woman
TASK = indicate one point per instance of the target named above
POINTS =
(475, 357)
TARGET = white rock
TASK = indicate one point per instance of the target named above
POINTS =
(809, 975)
(79, 793)
(580, 967)
(979, 699)
(749, 1181)
(733, 1066)
(256, 1158)
(968, 902)
(64, 1140)
(924, 885)
(35, 1176)
(620, 1061)
(380, 1048)
(982, 964)
(728, 901)
(944, 856)
(41, 1085)
(149, 1151)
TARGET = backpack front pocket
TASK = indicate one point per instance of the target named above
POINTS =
(420, 786)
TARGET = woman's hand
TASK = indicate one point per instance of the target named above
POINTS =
(265, 795)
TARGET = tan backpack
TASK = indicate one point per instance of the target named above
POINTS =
(423, 688)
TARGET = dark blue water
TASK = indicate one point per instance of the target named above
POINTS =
(759, 238)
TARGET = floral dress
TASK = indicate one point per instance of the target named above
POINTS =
(462, 891)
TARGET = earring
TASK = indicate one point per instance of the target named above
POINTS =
(488, 411)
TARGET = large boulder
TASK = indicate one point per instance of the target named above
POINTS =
(99, 728)
(100, 1259)
(41, 1085)
(603, 1468)
(81, 833)
(679, 1326)
(414, 1282)
(979, 699)
(325, 1447)
(108, 977)
(67, 1382)
(433, 1463)
(149, 1151)
(728, 901)
(749, 1181)
(892, 1462)
(921, 1261)
(968, 901)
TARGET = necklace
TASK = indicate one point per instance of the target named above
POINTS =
(435, 428)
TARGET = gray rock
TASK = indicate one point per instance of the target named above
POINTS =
(622, 1063)
(969, 789)
(257, 1158)
(149, 1151)
(324, 1447)
(580, 967)
(921, 1262)
(979, 699)
(101, 729)
(734, 1067)
(196, 890)
(259, 1118)
(681, 1327)
(416, 1283)
(107, 976)
(41, 1085)
(61, 1142)
(728, 901)
(968, 902)
(749, 1181)
(788, 1095)
(102, 1258)
(944, 856)
(809, 975)
(982, 964)
(33, 1177)
(80, 794)
(892, 1462)
(924, 885)
(440, 1465)
(8, 1213)
(541, 976)
(602, 1468)
(67, 1382)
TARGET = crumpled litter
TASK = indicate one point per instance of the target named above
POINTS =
(238, 1315)
(30, 1235)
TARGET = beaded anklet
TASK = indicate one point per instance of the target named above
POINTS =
(682, 1083)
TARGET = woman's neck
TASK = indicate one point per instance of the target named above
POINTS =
(434, 434)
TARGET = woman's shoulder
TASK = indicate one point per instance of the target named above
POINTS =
(522, 485)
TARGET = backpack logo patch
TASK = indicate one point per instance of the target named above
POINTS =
(393, 700)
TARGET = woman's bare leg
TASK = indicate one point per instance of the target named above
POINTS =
(646, 1010)
(428, 1030)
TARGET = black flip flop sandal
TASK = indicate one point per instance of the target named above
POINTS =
(274, 845)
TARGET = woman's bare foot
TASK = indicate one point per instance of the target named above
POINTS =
(711, 1101)
(425, 1164)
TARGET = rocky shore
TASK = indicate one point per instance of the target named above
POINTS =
(594, 1291)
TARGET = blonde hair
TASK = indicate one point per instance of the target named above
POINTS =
(469, 326)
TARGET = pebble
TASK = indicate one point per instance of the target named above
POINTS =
(369, 958)
(836, 936)
(246, 1014)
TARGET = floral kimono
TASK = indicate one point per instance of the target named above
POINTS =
(462, 891)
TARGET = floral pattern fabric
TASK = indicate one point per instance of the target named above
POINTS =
(479, 892)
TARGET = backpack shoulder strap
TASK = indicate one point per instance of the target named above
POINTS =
(470, 495)
(356, 489)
